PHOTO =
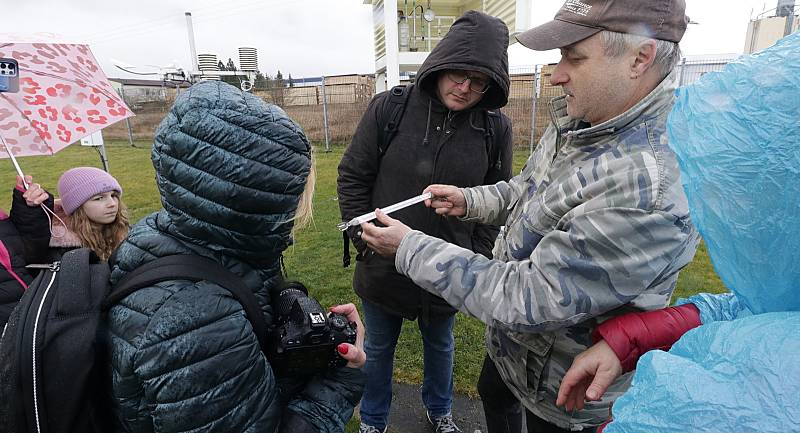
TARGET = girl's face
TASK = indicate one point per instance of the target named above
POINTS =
(102, 208)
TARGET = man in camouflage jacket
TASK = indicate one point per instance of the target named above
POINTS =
(596, 224)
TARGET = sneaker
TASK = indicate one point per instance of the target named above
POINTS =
(364, 428)
(443, 424)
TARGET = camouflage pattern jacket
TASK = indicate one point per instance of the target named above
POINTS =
(596, 225)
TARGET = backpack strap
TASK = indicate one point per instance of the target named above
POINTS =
(394, 107)
(491, 118)
(194, 268)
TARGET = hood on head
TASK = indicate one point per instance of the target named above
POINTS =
(735, 134)
(475, 42)
(230, 169)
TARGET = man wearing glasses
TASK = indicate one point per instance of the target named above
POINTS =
(596, 224)
(447, 134)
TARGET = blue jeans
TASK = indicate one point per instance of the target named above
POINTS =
(382, 331)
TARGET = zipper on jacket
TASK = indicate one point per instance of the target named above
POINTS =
(54, 268)
(444, 134)
(558, 135)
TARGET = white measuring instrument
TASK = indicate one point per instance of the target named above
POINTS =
(387, 210)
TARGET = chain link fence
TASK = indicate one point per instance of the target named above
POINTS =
(329, 110)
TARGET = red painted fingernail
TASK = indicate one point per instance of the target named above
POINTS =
(342, 348)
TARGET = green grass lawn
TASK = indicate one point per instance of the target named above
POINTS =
(316, 256)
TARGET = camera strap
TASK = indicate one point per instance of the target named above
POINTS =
(194, 268)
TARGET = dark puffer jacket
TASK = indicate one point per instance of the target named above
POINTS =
(432, 145)
(230, 169)
(24, 236)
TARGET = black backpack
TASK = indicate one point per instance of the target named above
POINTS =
(389, 118)
(54, 368)
(394, 107)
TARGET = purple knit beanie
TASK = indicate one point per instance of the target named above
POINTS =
(77, 185)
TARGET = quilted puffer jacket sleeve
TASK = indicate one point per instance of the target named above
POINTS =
(185, 358)
(633, 334)
(191, 362)
(325, 403)
(33, 227)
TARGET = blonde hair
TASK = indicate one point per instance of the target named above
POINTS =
(103, 239)
(305, 209)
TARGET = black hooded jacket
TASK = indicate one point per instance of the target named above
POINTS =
(24, 238)
(432, 145)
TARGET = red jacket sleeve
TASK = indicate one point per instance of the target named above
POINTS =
(631, 335)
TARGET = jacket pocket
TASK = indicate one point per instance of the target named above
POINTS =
(521, 359)
(539, 347)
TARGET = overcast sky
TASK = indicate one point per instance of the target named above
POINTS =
(301, 37)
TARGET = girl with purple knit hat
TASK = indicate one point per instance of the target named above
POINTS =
(91, 206)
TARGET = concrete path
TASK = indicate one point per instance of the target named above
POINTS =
(408, 413)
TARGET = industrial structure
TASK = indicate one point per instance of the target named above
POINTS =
(206, 66)
(771, 25)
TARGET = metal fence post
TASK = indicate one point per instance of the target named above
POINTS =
(534, 97)
(325, 116)
(683, 69)
(127, 119)
(103, 156)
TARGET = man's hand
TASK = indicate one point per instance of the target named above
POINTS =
(354, 354)
(34, 195)
(590, 375)
(447, 200)
(384, 240)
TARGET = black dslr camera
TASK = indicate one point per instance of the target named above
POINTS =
(304, 339)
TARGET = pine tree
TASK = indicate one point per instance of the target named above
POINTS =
(260, 82)
(276, 89)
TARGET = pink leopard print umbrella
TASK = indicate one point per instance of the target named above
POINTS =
(63, 96)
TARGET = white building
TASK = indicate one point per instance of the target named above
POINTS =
(407, 30)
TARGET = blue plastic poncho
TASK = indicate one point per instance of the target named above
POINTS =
(737, 137)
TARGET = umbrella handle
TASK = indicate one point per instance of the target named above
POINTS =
(14, 160)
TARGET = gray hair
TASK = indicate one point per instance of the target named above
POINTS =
(668, 54)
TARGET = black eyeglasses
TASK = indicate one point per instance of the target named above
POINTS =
(476, 84)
